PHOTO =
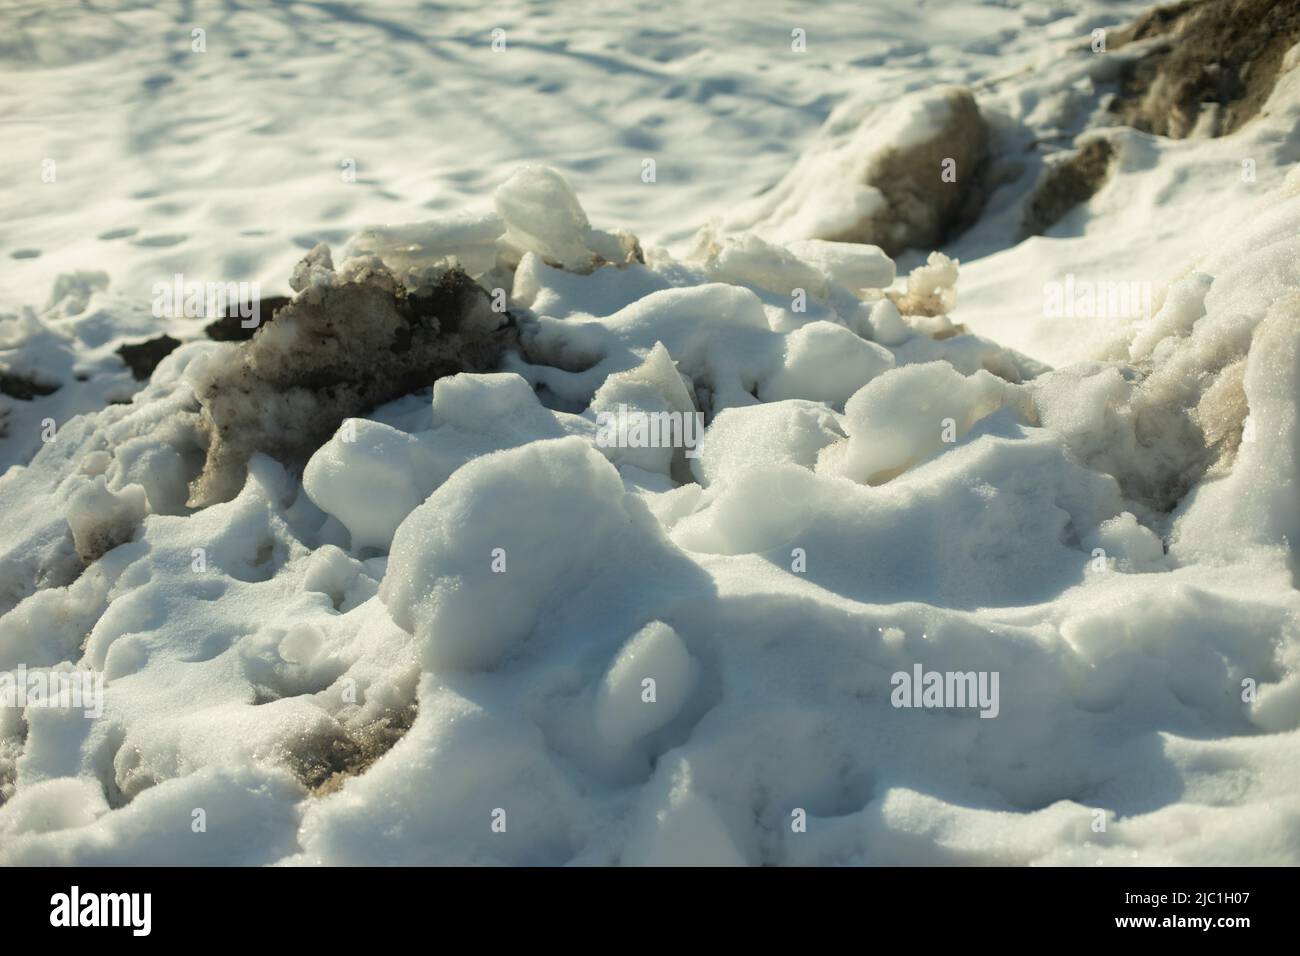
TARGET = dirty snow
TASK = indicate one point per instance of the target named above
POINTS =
(469, 631)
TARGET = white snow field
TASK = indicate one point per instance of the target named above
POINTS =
(471, 629)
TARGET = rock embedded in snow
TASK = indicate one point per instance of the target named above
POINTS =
(234, 325)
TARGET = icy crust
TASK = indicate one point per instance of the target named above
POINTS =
(474, 632)
(535, 210)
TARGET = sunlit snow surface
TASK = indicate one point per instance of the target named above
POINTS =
(473, 563)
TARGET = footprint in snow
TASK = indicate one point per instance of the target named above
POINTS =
(157, 242)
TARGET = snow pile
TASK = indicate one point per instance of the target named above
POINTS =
(412, 577)
(449, 577)
(477, 631)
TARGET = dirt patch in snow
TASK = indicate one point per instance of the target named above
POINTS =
(349, 342)
(1214, 67)
(231, 327)
(1068, 183)
(924, 208)
(325, 765)
(24, 387)
(143, 357)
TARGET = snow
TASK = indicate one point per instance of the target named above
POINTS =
(742, 438)
(824, 362)
(469, 578)
(891, 426)
(476, 625)
(855, 266)
(646, 685)
(842, 182)
(371, 476)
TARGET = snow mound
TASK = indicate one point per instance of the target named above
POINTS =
(482, 625)
(646, 685)
(469, 575)
(896, 176)
(824, 362)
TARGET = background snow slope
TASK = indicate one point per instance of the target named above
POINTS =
(225, 164)
(347, 678)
